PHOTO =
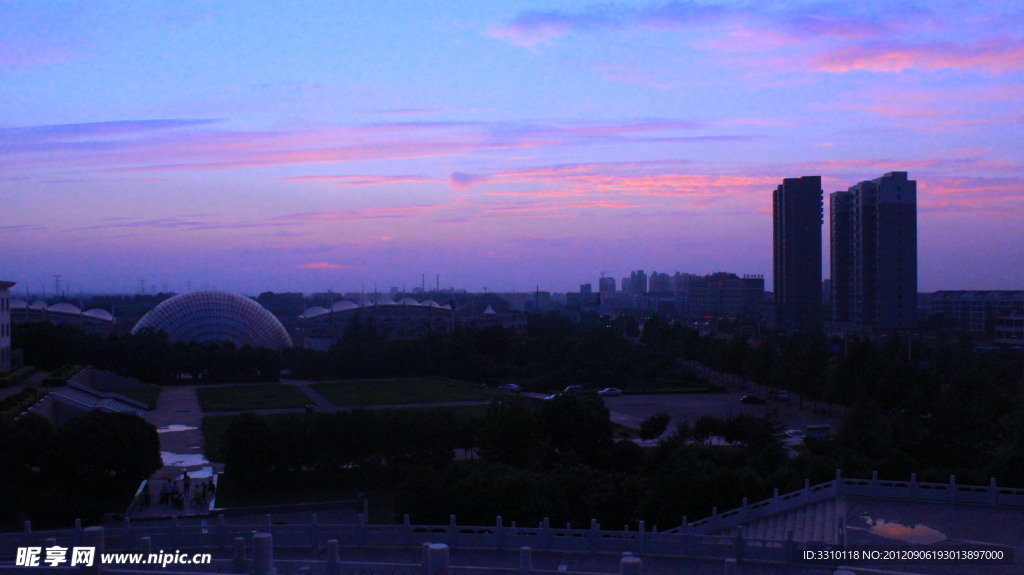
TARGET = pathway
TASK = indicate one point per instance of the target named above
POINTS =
(179, 421)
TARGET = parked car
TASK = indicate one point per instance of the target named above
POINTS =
(552, 396)
(795, 433)
(510, 387)
(752, 400)
(573, 389)
(610, 392)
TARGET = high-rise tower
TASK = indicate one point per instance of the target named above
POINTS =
(874, 254)
(5, 325)
(798, 216)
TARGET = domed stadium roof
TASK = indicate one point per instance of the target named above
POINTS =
(343, 305)
(313, 311)
(100, 314)
(65, 308)
(216, 316)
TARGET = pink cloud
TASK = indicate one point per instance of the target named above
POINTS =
(189, 145)
(361, 180)
(785, 26)
(366, 214)
(993, 56)
(996, 197)
(632, 179)
(323, 266)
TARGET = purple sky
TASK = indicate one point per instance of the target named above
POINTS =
(307, 146)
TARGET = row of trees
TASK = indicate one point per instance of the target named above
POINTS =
(557, 459)
(148, 356)
(86, 467)
(553, 353)
(933, 406)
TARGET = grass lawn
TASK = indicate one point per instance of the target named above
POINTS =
(249, 397)
(398, 391)
(146, 393)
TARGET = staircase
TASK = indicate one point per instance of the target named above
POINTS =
(812, 522)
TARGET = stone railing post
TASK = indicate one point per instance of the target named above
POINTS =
(27, 532)
(127, 533)
(739, 544)
(641, 537)
(745, 510)
(268, 524)
(595, 535)
(222, 531)
(789, 547)
(333, 565)
(952, 488)
(147, 545)
(453, 531)
(631, 565)
(437, 559)
(874, 484)
(913, 486)
(406, 529)
(76, 537)
(238, 560)
(993, 492)
(96, 538)
(499, 534)
(545, 526)
(525, 561)
(263, 554)
(714, 518)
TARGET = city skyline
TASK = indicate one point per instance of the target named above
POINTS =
(339, 146)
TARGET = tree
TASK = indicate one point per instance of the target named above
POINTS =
(510, 435)
(249, 450)
(101, 453)
(654, 426)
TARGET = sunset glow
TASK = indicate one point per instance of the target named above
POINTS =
(340, 145)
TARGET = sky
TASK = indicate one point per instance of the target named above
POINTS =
(506, 146)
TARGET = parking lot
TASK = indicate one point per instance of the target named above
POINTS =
(630, 410)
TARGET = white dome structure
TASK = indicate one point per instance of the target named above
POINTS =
(209, 316)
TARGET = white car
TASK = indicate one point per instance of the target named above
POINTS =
(610, 391)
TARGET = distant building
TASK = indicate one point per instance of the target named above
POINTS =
(1010, 329)
(5, 325)
(660, 283)
(975, 312)
(681, 282)
(725, 295)
(874, 254)
(798, 217)
(638, 282)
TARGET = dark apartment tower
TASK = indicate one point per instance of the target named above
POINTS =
(874, 254)
(798, 216)
(638, 279)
